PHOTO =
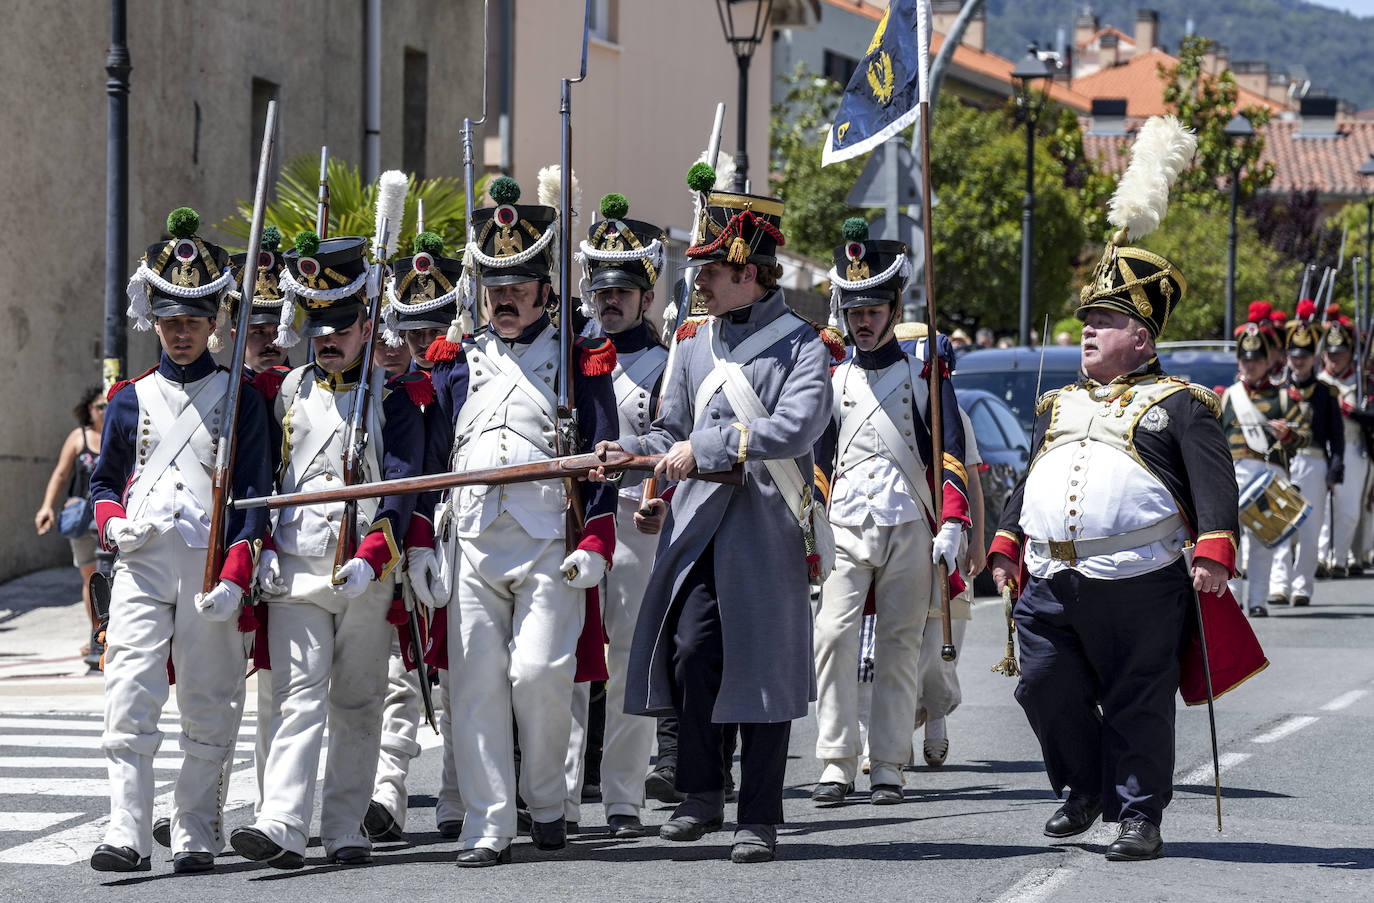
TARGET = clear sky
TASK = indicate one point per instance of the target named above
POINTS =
(1358, 7)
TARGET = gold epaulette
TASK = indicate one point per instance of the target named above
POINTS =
(1207, 397)
(1043, 403)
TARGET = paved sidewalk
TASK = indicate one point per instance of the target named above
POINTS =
(42, 629)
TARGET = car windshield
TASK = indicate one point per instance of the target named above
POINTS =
(1016, 388)
(1206, 368)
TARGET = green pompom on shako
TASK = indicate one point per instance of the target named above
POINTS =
(183, 222)
(855, 229)
(701, 177)
(271, 238)
(614, 206)
(429, 243)
(504, 190)
(307, 243)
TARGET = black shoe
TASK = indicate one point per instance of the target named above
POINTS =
(886, 794)
(754, 843)
(481, 857)
(192, 863)
(1356, 570)
(1322, 572)
(451, 829)
(350, 856)
(523, 821)
(831, 793)
(687, 829)
(572, 827)
(162, 832)
(1139, 839)
(250, 843)
(549, 835)
(625, 826)
(1339, 572)
(1302, 601)
(379, 825)
(591, 793)
(109, 858)
(1259, 611)
(1074, 817)
(660, 785)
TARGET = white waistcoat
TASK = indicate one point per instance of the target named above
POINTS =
(315, 419)
(634, 377)
(180, 497)
(508, 418)
(869, 482)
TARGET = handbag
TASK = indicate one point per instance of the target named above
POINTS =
(76, 517)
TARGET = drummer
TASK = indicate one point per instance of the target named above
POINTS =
(1265, 426)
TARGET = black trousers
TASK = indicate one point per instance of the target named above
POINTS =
(1087, 643)
(703, 757)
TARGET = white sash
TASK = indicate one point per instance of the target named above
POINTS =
(741, 354)
(869, 400)
(515, 372)
(640, 374)
(1248, 418)
(175, 432)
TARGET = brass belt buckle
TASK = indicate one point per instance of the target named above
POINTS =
(1062, 550)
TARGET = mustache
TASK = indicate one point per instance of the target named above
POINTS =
(331, 349)
(506, 309)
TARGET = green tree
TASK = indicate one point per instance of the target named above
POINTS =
(815, 196)
(352, 205)
(978, 167)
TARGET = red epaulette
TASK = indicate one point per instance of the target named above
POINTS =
(688, 328)
(1294, 394)
(114, 390)
(944, 370)
(832, 339)
(268, 383)
(441, 350)
(417, 385)
(596, 357)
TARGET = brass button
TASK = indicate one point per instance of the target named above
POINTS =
(907, 433)
(1072, 512)
(179, 486)
(1073, 498)
(1073, 529)
(1073, 482)
(1076, 467)
(870, 495)
(870, 476)
(176, 515)
(1082, 444)
(329, 476)
(330, 518)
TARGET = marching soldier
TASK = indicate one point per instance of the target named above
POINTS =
(751, 386)
(1316, 469)
(623, 259)
(520, 592)
(1340, 374)
(1265, 427)
(328, 634)
(1127, 464)
(153, 501)
(261, 353)
(880, 506)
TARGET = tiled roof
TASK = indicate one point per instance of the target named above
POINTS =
(1326, 165)
(1138, 81)
(1110, 29)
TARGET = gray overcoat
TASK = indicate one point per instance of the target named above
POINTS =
(760, 560)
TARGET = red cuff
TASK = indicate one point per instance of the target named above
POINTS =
(1005, 544)
(238, 565)
(598, 535)
(269, 544)
(1220, 546)
(420, 533)
(667, 494)
(104, 510)
(954, 505)
(379, 549)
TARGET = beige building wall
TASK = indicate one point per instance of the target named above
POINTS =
(644, 113)
(190, 142)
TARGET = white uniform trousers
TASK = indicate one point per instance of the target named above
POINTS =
(1258, 558)
(937, 681)
(327, 668)
(513, 654)
(401, 716)
(629, 739)
(448, 806)
(1347, 503)
(896, 562)
(152, 615)
(1295, 562)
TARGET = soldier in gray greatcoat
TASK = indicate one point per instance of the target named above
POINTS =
(724, 633)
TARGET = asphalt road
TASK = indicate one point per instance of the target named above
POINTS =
(1295, 771)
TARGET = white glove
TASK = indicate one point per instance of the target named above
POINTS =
(422, 569)
(220, 603)
(946, 545)
(269, 574)
(583, 569)
(352, 580)
(127, 535)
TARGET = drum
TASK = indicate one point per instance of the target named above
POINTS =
(1272, 508)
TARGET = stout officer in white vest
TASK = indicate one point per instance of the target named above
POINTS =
(328, 635)
(520, 593)
(153, 498)
(883, 515)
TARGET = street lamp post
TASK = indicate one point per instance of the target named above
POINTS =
(117, 67)
(1238, 129)
(1030, 70)
(743, 43)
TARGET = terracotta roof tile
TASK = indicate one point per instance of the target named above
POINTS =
(1138, 81)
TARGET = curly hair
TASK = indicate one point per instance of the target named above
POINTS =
(82, 412)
